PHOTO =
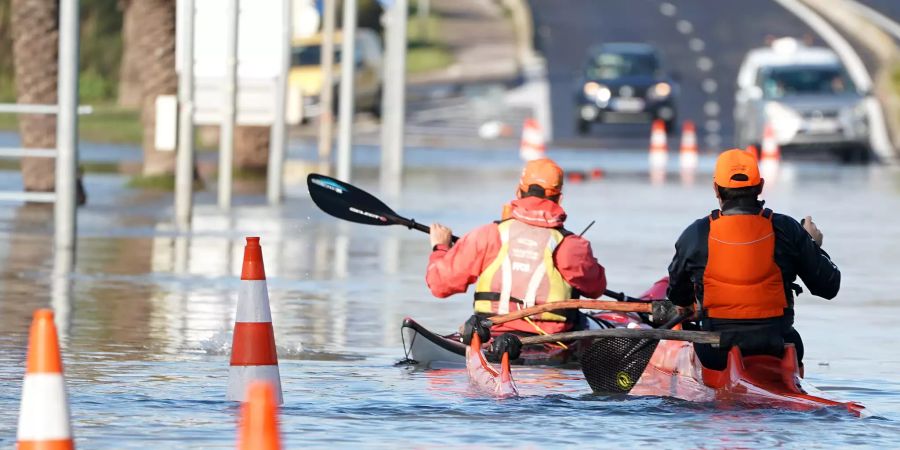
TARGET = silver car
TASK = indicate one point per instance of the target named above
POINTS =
(805, 95)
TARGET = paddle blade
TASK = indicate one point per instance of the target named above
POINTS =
(348, 202)
(614, 365)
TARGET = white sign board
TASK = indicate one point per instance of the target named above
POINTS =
(260, 53)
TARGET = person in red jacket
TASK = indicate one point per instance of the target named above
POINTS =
(524, 260)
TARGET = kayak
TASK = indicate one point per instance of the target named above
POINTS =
(765, 381)
(426, 348)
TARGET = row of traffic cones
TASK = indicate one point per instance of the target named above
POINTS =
(44, 418)
(688, 154)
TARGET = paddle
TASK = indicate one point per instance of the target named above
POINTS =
(614, 364)
(638, 307)
(348, 202)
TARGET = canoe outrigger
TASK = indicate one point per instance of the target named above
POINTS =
(673, 369)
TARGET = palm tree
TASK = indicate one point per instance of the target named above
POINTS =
(154, 23)
(129, 95)
(35, 34)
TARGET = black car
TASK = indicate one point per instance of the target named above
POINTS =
(625, 82)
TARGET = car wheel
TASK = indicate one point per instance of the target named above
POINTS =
(860, 154)
(584, 127)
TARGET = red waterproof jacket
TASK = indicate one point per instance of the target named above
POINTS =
(452, 270)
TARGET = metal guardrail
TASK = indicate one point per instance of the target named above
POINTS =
(20, 152)
(22, 108)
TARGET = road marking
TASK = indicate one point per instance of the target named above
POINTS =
(704, 63)
(711, 108)
(684, 27)
(878, 137)
(710, 86)
(697, 44)
(713, 140)
(667, 9)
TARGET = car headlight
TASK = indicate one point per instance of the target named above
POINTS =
(659, 90)
(597, 91)
(783, 119)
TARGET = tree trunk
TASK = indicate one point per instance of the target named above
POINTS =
(35, 31)
(251, 147)
(130, 70)
(155, 31)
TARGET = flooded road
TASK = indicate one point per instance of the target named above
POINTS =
(146, 317)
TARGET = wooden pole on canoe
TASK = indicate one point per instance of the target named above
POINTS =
(700, 337)
(646, 307)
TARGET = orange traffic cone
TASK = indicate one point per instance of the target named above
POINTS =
(770, 150)
(770, 159)
(253, 355)
(532, 145)
(659, 148)
(259, 419)
(688, 150)
(44, 420)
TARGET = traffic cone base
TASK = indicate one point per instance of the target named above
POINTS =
(239, 377)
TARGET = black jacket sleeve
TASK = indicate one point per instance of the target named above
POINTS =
(820, 275)
(686, 268)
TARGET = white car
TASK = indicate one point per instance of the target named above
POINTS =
(805, 95)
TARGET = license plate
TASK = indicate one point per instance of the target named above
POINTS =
(822, 126)
(627, 105)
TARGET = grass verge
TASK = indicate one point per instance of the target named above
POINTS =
(425, 51)
(107, 124)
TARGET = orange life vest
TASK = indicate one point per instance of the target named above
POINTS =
(741, 280)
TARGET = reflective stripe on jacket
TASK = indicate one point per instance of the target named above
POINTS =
(742, 280)
(523, 272)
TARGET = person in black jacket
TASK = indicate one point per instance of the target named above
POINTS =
(740, 264)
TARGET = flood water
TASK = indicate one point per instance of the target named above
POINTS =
(146, 316)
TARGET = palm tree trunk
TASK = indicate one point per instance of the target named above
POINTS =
(155, 31)
(251, 148)
(130, 92)
(35, 31)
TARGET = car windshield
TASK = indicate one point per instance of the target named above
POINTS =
(310, 55)
(616, 65)
(810, 80)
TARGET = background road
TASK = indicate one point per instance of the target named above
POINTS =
(703, 42)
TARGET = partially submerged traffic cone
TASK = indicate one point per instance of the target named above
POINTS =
(44, 420)
(253, 355)
(659, 148)
(259, 419)
(532, 145)
(770, 157)
(688, 151)
(770, 150)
